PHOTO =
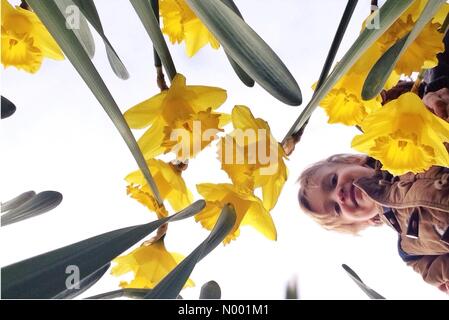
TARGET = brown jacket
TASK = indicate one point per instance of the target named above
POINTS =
(417, 207)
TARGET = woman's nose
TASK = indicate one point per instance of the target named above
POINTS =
(341, 195)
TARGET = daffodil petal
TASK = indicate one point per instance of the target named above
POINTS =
(146, 112)
(258, 218)
(207, 97)
(151, 141)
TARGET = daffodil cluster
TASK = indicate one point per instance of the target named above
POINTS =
(25, 41)
(403, 134)
(253, 159)
(183, 120)
(344, 103)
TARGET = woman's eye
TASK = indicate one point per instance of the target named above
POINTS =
(334, 180)
(337, 209)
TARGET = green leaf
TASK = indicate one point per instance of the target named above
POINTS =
(127, 292)
(44, 276)
(380, 72)
(368, 291)
(387, 14)
(210, 290)
(172, 284)
(89, 10)
(249, 50)
(155, 7)
(81, 31)
(17, 201)
(341, 30)
(7, 108)
(145, 12)
(54, 21)
(243, 76)
(83, 285)
(34, 206)
(292, 289)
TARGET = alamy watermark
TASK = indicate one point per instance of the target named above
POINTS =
(373, 21)
(250, 146)
(73, 279)
(72, 17)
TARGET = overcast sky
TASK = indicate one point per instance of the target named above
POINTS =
(61, 139)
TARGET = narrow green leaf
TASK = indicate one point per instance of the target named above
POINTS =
(387, 14)
(89, 10)
(367, 290)
(155, 7)
(36, 205)
(210, 290)
(83, 284)
(7, 108)
(382, 69)
(292, 289)
(54, 21)
(44, 276)
(81, 28)
(341, 30)
(172, 284)
(243, 76)
(127, 292)
(145, 12)
(248, 49)
(17, 201)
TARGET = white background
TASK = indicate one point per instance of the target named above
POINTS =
(61, 139)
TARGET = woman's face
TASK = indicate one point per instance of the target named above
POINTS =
(335, 193)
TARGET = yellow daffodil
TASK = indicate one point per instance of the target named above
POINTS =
(149, 263)
(405, 136)
(248, 207)
(170, 184)
(252, 157)
(181, 117)
(181, 24)
(25, 41)
(344, 103)
(421, 54)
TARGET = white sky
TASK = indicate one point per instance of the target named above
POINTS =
(61, 139)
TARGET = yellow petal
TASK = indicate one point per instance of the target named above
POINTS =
(207, 97)
(258, 218)
(149, 263)
(441, 14)
(151, 141)
(7, 10)
(197, 36)
(45, 42)
(146, 112)
(242, 118)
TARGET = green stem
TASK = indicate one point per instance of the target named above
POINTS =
(347, 14)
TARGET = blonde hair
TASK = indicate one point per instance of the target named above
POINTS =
(307, 181)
